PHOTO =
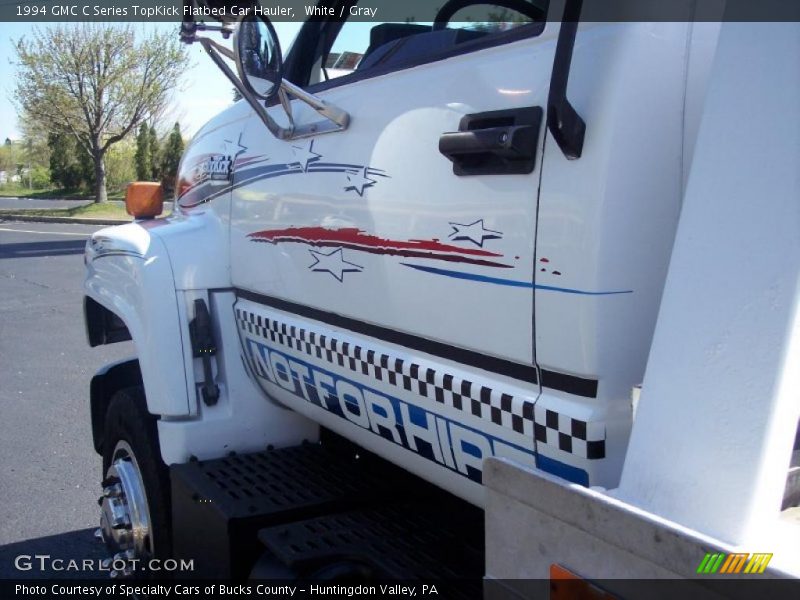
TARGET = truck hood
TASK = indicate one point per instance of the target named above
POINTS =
(132, 239)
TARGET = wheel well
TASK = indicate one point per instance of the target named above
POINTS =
(107, 382)
(103, 326)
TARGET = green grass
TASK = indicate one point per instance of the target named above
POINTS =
(16, 190)
(110, 210)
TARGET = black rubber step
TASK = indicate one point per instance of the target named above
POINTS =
(438, 539)
(219, 505)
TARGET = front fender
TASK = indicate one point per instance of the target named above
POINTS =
(129, 273)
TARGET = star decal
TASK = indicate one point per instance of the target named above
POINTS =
(474, 232)
(305, 155)
(233, 149)
(333, 263)
(359, 181)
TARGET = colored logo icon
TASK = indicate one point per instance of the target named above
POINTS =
(732, 564)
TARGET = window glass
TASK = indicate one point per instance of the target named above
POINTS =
(361, 45)
(348, 49)
(488, 18)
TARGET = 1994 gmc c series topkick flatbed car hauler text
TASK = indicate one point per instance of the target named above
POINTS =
(407, 309)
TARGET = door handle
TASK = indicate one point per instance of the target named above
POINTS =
(513, 143)
(499, 142)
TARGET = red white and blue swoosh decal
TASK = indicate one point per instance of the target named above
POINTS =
(351, 238)
(357, 178)
(195, 189)
(208, 180)
(355, 239)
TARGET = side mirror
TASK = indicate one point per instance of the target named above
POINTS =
(258, 57)
(257, 54)
(144, 199)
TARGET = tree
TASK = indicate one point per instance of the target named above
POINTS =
(155, 167)
(95, 82)
(35, 143)
(39, 177)
(10, 157)
(70, 166)
(171, 157)
(142, 156)
(35, 152)
(121, 164)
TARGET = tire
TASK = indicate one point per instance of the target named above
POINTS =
(128, 425)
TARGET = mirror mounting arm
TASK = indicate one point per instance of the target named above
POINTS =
(286, 103)
(226, 52)
(214, 50)
(339, 117)
(335, 118)
(225, 29)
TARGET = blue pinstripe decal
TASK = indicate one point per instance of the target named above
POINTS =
(508, 282)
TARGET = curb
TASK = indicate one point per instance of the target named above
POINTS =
(78, 220)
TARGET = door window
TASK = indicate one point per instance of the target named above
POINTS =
(358, 49)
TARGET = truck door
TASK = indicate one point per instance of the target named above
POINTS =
(385, 273)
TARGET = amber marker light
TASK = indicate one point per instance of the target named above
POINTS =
(144, 199)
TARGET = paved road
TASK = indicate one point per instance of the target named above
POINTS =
(7, 202)
(50, 472)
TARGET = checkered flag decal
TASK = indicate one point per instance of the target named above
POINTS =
(583, 439)
(546, 426)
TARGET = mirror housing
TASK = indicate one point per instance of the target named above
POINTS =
(144, 199)
(258, 58)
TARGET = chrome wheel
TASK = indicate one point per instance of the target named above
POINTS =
(125, 523)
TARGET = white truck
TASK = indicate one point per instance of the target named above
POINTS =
(528, 291)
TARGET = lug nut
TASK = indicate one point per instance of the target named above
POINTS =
(112, 491)
(105, 563)
(122, 538)
(120, 522)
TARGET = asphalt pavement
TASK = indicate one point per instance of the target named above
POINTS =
(50, 472)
